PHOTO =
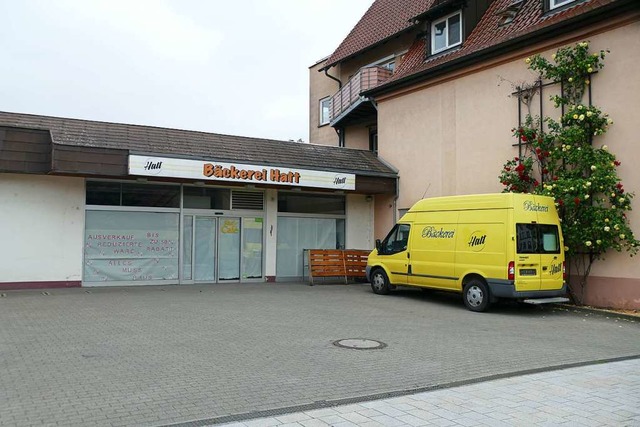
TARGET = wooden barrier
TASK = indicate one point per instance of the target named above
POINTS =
(337, 263)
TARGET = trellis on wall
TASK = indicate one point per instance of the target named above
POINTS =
(526, 94)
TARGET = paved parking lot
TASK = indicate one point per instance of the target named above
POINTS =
(597, 395)
(162, 355)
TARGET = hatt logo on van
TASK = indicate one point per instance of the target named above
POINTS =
(340, 181)
(431, 232)
(528, 205)
(477, 241)
(154, 168)
(555, 269)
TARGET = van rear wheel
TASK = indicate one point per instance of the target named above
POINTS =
(379, 282)
(476, 295)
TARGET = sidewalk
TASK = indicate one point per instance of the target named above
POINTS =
(594, 395)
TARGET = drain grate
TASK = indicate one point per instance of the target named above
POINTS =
(359, 344)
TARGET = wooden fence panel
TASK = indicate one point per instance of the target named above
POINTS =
(337, 263)
(355, 262)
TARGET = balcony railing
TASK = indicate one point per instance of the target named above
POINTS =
(349, 95)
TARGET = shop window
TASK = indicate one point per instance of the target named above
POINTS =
(130, 246)
(103, 193)
(159, 196)
(446, 32)
(311, 204)
(207, 198)
(126, 194)
(325, 108)
(295, 235)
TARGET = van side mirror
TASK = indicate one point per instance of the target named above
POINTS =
(378, 245)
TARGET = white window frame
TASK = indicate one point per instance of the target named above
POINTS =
(321, 120)
(554, 4)
(446, 32)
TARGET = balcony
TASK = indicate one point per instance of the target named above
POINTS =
(348, 106)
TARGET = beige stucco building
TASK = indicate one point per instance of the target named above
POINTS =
(443, 113)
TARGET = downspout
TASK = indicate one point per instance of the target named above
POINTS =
(341, 131)
(326, 73)
(395, 201)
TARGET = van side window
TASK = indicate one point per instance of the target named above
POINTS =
(537, 239)
(396, 240)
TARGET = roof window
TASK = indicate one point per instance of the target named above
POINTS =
(446, 32)
(553, 4)
(508, 14)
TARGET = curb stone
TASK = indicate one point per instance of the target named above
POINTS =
(602, 312)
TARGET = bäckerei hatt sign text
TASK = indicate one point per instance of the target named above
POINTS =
(201, 170)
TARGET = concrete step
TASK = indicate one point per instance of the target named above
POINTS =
(546, 300)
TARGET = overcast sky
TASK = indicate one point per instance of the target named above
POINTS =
(237, 67)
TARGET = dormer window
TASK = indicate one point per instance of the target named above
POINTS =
(447, 32)
(557, 3)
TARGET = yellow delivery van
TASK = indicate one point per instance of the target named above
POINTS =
(484, 246)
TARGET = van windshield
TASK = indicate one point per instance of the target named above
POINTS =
(537, 239)
(397, 240)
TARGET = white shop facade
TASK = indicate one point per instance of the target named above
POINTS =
(143, 233)
(171, 219)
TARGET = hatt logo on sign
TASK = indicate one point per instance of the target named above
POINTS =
(340, 181)
(154, 168)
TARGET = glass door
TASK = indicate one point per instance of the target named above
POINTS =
(221, 249)
(252, 248)
(229, 249)
(204, 259)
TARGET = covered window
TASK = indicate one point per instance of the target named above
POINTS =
(130, 246)
(325, 106)
(446, 32)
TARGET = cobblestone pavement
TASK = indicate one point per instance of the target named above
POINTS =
(596, 395)
(162, 355)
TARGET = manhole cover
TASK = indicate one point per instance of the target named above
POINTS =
(360, 344)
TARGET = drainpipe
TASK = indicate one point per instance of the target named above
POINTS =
(341, 131)
(326, 73)
(395, 201)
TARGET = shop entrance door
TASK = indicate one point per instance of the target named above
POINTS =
(211, 249)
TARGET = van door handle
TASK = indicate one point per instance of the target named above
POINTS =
(544, 268)
(408, 255)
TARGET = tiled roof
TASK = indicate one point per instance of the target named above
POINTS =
(384, 19)
(200, 145)
(488, 33)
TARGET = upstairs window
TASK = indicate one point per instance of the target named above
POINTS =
(557, 3)
(447, 32)
(325, 105)
(390, 65)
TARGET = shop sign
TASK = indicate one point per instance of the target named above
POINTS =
(201, 170)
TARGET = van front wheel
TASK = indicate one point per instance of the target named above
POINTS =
(379, 282)
(476, 295)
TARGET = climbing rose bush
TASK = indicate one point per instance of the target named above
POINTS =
(562, 160)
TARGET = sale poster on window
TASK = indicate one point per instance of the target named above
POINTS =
(130, 246)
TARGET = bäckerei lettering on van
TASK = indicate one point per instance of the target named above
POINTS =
(430, 232)
(528, 205)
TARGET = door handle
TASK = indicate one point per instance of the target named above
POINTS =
(408, 255)
(544, 268)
